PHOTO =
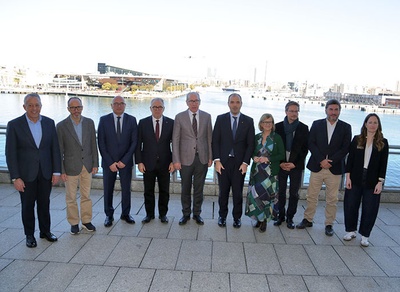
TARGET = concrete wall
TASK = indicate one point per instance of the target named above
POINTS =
(211, 189)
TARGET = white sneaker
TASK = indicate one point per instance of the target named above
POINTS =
(350, 235)
(364, 241)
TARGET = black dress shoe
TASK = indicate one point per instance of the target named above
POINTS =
(329, 230)
(237, 223)
(221, 222)
(30, 241)
(109, 221)
(290, 224)
(278, 222)
(184, 220)
(49, 236)
(257, 224)
(164, 219)
(128, 219)
(198, 219)
(263, 226)
(147, 219)
(303, 224)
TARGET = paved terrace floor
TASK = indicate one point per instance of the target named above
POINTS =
(169, 257)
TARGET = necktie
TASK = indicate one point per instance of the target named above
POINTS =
(194, 125)
(234, 128)
(118, 128)
(157, 130)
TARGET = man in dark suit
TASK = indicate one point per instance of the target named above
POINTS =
(117, 138)
(191, 155)
(328, 142)
(80, 160)
(232, 146)
(34, 163)
(154, 159)
(295, 138)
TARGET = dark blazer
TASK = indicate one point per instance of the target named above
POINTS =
(376, 167)
(24, 157)
(148, 150)
(110, 149)
(73, 154)
(222, 141)
(336, 150)
(299, 149)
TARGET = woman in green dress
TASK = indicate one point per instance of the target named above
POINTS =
(263, 186)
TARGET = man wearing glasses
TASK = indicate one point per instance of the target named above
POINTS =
(117, 138)
(77, 139)
(154, 159)
(295, 138)
(191, 154)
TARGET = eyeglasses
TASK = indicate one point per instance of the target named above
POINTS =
(154, 107)
(266, 122)
(74, 108)
(194, 101)
(118, 103)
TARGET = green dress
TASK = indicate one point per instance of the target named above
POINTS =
(262, 193)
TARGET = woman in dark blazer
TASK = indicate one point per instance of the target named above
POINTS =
(365, 175)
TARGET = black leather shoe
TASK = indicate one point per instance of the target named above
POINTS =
(147, 219)
(237, 223)
(329, 230)
(128, 219)
(198, 219)
(263, 226)
(109, 221)
(290, 224)
(49, 236)
(164, 219)
(221, 222)
(278, 222)
(31, 241)
(257, 224)
(303, 224)
(184, 220)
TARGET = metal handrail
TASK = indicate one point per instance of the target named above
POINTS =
(393, 150)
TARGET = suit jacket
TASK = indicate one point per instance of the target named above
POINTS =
(376, 167)
(184, 141)
(148, 150)
(74, 155)
(336, 150)
(299, 149)
(23, 156)
(110, 149)
(222, 142)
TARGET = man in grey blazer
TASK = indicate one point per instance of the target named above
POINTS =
(191, 155)
(78, 146)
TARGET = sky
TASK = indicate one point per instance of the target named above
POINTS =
(339, 41)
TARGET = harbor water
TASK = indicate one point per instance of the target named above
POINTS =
(215, 103)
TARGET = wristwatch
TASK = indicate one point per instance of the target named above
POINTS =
(382, 180)
(14, 179)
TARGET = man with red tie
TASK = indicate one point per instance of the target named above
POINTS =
(154, 159)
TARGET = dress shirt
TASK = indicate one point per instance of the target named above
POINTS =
(116, 120)
(330, 128)
(159, 122)
(197, 118)
(36, 129)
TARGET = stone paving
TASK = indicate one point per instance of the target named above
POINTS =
(169, 257)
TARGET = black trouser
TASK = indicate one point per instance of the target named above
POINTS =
(149, 179)
(295, 176)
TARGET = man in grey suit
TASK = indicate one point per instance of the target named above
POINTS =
(191, 155)
(77, 139)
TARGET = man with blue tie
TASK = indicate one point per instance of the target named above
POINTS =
(154, 159)
(232, 154)
(117, 139)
